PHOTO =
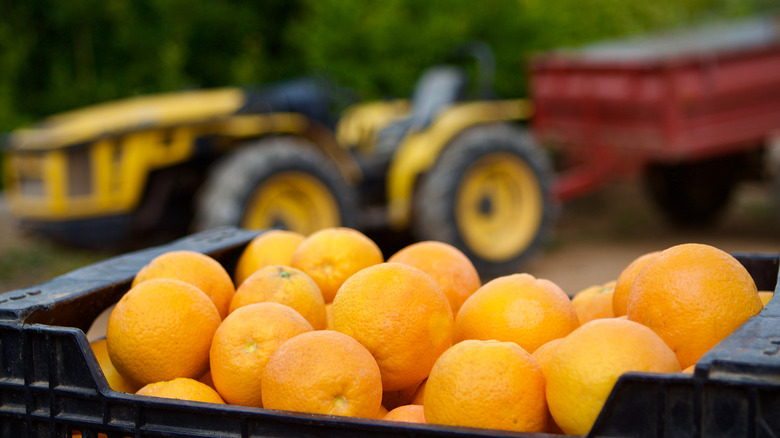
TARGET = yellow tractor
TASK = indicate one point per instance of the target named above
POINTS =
(451, 163)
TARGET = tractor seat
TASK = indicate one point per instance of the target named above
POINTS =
(438, 88)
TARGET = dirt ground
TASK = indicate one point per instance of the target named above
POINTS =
(595, 237)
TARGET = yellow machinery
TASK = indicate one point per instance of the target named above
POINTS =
(443, 165)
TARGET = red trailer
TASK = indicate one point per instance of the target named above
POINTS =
(690, 111)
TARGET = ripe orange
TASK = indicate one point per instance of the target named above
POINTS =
(393, 399)
(199, 270)
(382, 412)
(765, 296)
(273, 247)
(543, 354)
(206, 378)
(407, 414)
(182, 388)
(517, 308)
(487, 384)
(417, 399)
(625, 280)
(401, 315)
(77, 434)
(594, 302)
(161, 329)
(693, 296)
(586, 364)
(328, 307)
(447, 265)
(242, 345)
(116, 381)
(283, 285)
(331, 255)
(323, 372)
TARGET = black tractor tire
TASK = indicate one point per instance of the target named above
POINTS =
(691, 195)
(497, 178)
(234, 184)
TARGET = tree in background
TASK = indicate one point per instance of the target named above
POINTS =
(60, 55)
(381, 47)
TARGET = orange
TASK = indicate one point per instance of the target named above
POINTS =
(328, 306)
(765, 296)
(543, 354)
(486, 384)
(586, 364)
(161, 329)
(393, 399)
(693, 296)
(407, 414)
(182, 388)
(517, 308)
(594, 302)
(283, 285)
(206, 378)
(116, 381)
(419, 394)
(447, 265)
(77, 434)
(199, 270)
(690, 369)
(382, 412)
(323, 372)
(273, 247)
(244, 343)
(625, 280)
(332, 255)
(401, 315)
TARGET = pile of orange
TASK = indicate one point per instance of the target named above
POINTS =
(325, 324)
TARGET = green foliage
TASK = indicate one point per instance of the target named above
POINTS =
(62, 55)
(57, 55)
(381, 47)
(573, 22)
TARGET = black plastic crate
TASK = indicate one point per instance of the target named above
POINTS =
(51, 384)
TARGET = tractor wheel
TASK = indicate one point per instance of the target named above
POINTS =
(691, 194)
(488, 194)
(279, 182)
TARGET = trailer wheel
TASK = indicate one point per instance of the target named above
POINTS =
(691, 194)
(279, 182)
(488, 194)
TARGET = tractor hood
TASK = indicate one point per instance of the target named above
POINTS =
(119, 117)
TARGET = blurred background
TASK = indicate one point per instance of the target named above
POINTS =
(57, 56)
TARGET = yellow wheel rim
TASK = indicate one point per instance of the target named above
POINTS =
(499, 207)
(295, 201)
